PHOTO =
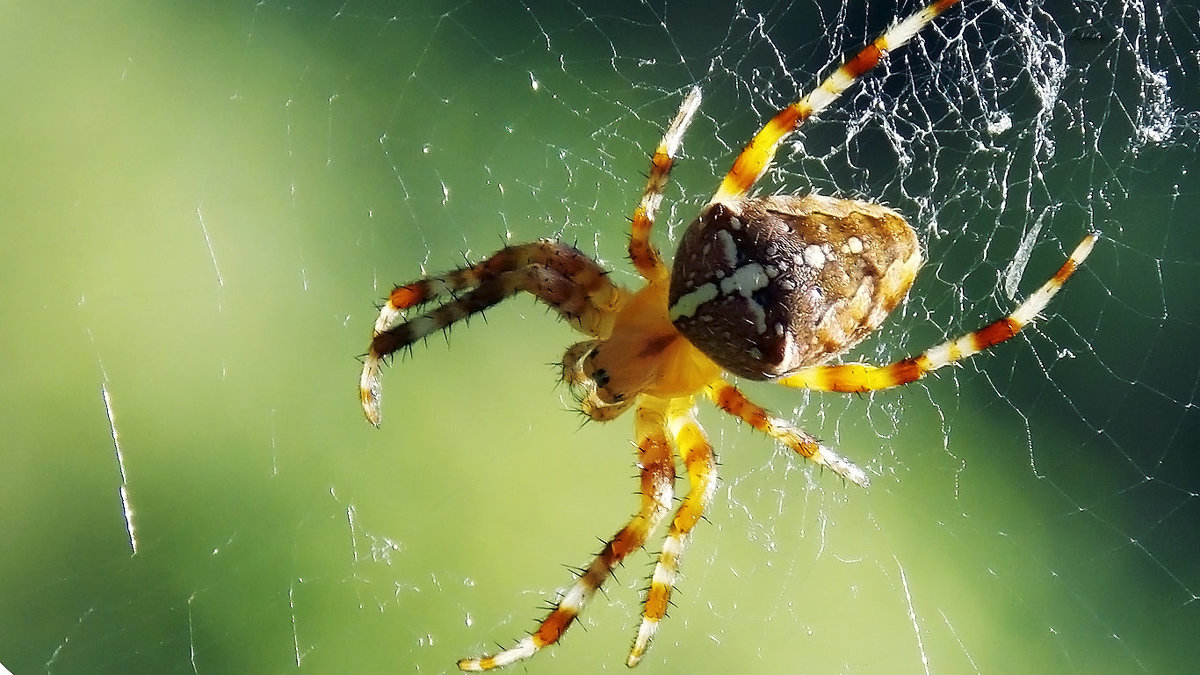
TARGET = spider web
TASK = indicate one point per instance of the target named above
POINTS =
(203, 200)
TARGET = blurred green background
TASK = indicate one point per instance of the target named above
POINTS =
(201, 201)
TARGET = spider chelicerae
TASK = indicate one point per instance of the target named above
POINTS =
(762, 288)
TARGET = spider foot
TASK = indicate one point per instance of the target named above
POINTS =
(370, 387)
(524, 649)
(646, 633)
(842, 467)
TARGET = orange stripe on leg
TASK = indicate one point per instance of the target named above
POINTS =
(865, 60)
(403, 297)
(993, 334)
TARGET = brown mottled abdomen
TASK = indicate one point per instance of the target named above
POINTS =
(767, 286)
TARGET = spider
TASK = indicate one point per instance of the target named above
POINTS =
(762, 288)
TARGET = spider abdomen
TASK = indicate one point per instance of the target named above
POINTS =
(769, 285)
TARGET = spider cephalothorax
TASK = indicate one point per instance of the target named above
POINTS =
(763, 288)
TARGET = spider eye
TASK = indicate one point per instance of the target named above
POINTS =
(767, 286)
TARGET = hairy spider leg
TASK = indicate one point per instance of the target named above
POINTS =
(862, 377)
(645, 256)
(730, 399)
(657, 466)
(701, 463)
(555, 273)
(547, 285)
(545, 252)
(756, 158)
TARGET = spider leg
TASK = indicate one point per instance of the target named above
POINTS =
(552, 286)
(728, 398)
(862, 377)
(565, 259)
(754, 160)
(658, 477)
(644, 255)
(701, 465)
